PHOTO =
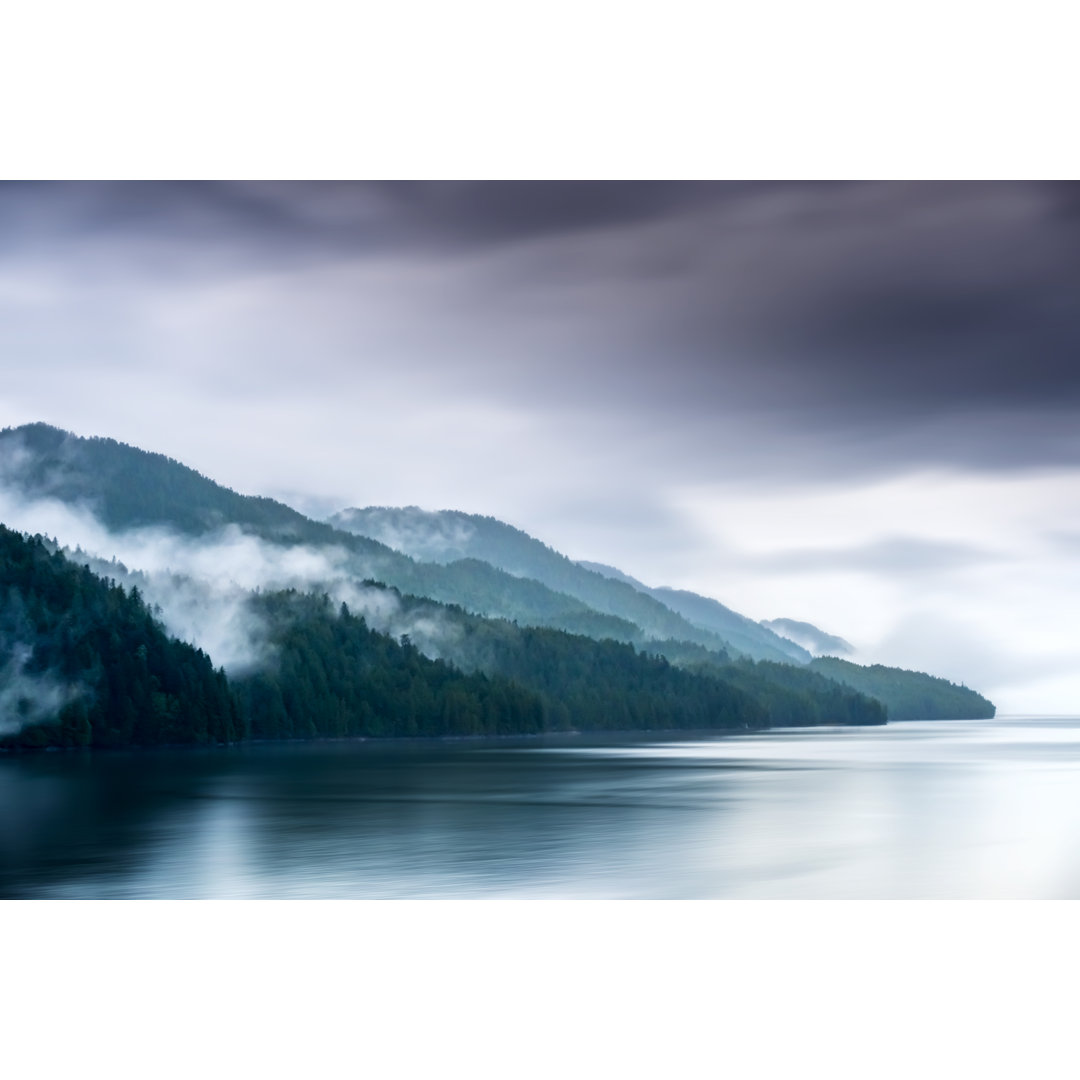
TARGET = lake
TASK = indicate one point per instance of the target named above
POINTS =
(958, 809)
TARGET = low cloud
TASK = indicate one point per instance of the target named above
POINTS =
(889, 556)
(426, 535)
(28, 697)
(202, 587)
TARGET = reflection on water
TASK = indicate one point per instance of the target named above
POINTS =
(960, 809)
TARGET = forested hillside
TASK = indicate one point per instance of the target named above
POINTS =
(84, 663)
(583, 684)
(333, 675)
(128, 488)
(796, 697)
(745, 636)
(814, 640)
(329, 674)
(448, 535)
(504, 627)
(908, 695)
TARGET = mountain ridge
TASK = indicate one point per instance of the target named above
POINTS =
(127, 488)
(454, 533)
(815, 640)
(134, 489)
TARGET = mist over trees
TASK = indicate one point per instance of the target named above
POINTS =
(124, 680)
(325, 633)
(451, 537)
(500, 572)
(328, 674)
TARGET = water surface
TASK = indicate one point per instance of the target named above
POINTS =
(963, 809)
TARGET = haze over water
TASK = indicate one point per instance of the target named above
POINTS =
(960, 809)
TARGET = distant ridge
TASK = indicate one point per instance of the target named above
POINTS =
(493, 599)
(613, 572)
(445, 535)
(757, 641)
(908, 695)
(810, 637)
(129, 488)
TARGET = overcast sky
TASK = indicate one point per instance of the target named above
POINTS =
(855, 404)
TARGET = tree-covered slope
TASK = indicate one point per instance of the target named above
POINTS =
(83, 662)
(797, 696)
(329, 674)
(908, 695)
(128, 488)
(333, 675)
(450, 535)
(485, 589)
(792, 696)
(746, 636)
(593, 685)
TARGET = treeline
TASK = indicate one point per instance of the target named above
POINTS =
(596, 685)
(795, 697)
(635, 615)
(118, 679)
(92, 647)
(329, 674)
(132, 488)
(124, 682)
(791, 696)
(492, 591)
(908, 695)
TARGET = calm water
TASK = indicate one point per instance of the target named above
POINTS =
(961, 809)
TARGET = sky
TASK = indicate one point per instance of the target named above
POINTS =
(854, 404)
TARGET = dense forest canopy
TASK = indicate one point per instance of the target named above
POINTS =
(535, 642)
(94, 652)
(118, 679)
(908, 695)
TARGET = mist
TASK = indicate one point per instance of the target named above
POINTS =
(29, 697)
(201, 588)
(437, 539)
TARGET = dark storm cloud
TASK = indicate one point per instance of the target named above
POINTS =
(856, 325)
(879, 300)
(897, 300)
(480, 212)
(290, 221)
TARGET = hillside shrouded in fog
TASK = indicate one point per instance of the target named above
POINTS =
(146, 582)
(848, 405)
